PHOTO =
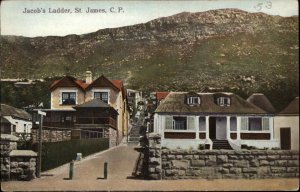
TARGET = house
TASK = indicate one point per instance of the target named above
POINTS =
(216, 120)
(15, 121)
(134, 97)
(286, 126)
(71, 96)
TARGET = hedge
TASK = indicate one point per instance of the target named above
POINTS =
(55, 154)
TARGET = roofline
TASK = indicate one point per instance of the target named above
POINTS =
(213, 114)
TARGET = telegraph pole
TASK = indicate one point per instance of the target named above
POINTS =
(40, 144)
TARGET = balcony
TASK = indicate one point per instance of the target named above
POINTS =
(95, 122)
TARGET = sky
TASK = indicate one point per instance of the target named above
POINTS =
(117, 13)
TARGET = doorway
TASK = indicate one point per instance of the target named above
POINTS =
(285, 138)
(212, 127)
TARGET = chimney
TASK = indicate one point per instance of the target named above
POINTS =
(88, 77)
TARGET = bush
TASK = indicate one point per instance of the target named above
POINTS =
(58, 153)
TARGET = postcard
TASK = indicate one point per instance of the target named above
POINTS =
(197, 95)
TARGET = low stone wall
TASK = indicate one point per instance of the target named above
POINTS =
(51, 135)
(22, 165)
(16, 164)
(217, 164)
(7, 144)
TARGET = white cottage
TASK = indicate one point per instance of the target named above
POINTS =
(214, 120)
(15, 121)
(287, 126)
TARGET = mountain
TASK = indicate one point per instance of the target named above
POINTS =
(225, 49)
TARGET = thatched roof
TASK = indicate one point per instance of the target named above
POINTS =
(7, 110)
(261, 101)
(175, 103)
(292, 108)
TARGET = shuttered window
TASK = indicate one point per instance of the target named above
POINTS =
(265, 123)
(168, 122)
(191, 123)
(244, 123)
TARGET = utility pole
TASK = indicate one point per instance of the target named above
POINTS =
(40, 144)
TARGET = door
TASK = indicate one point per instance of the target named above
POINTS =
(285, 138)
(212, 127)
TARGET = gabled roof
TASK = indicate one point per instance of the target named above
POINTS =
(261, 101)
(7, 110)
(292, 108)
(161, 95)
(175, 103)
(68, 81)
(103, 82)
(120, 85)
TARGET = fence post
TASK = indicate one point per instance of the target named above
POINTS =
(105, 171)
(71, 171)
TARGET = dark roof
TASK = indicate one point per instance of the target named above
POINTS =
(7, 110)
(68, 81)
(261, 101)
(94, 103)
(292, 108)
(3, 120)
(175, 103)
(102, 81)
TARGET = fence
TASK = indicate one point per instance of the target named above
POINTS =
(55, 154)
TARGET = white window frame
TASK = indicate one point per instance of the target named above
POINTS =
(193, 100)
(263, 119)
(223, 101)
(101, 90)
(69, 92)
(173, 124)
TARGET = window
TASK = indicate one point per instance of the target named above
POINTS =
(68, 98)
(193, 100)
(233, 124)
(202, 124)
(179, 123)
(101, 95)
(25, 128)
(255, 124)
(223, 101)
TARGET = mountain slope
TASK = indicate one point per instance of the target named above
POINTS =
(226, 49)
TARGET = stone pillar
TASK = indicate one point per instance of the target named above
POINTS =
(238, 128)
(228, 127)
(8, 143)
(154, 164)
(206, 127)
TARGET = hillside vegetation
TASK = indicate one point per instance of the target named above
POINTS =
(219, 50)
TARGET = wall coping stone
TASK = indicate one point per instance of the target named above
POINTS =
(26, 153)
(9, 137)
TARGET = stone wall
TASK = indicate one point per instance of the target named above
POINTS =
(217, 164)
(22, 165)
(51, 135)
(154, 161)
(7, 144)
(16, 164)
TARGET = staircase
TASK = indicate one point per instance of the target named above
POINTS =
(134, 135)
(221, 144)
